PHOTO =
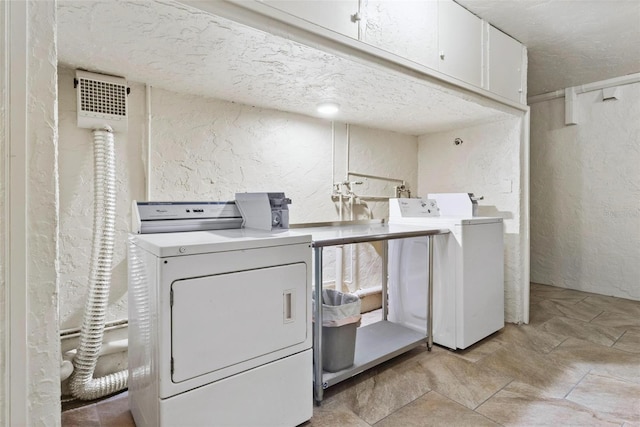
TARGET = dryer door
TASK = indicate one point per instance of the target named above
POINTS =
(225, 319)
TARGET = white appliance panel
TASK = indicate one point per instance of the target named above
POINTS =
(482, 302)
(278, 384)
(172, 269)
(276, 394)
(204, 242)
(226, 319)
(408, 299)
(472, 307)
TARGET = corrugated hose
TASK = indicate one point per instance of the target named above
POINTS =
(82, 383)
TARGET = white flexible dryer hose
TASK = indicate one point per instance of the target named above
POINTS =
(83, 385)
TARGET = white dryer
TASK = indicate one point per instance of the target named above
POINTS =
(468, 275)
(220, 328)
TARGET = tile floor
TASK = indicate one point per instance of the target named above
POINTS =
(576, 363)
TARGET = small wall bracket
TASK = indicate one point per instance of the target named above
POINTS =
(610, 93)
(570, 98)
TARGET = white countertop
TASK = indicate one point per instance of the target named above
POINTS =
(194, 242)
(359, 233)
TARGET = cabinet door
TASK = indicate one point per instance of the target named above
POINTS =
(505, 66)
(334, 15)
(407, 28)
(460, 42)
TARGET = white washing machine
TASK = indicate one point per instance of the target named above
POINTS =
(220, 328)
(468, 274)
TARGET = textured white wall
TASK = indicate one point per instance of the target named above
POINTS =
(42, 219)
(487, 163)
(207, 149)
(76, 202)
(381, 154)
(585, 194)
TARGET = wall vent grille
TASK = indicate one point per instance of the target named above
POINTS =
(102, 100)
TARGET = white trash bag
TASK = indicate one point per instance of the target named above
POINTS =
(338, 308)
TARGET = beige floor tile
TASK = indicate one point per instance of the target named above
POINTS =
(552, 292)
(433, 409)
(566, 296)
(376, 395)
(617, 398)
(630, 341)
(579, 311)
(539, 287)
(521, 405)
(460, 380)
(614, 305)
(578, 329)
(535, 299)
(617, 320)
(551, 376)
(527, 336)
(114, 412)
(586, 356)
(479, 350)
(577, 293)
(538, 315)
(335, 413)
(86, 416)
(439, 387)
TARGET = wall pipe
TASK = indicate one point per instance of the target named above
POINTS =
(66, 334)
(589, 87)
(339, 250)
(382, 178)
(380, 198)
(346, 164)
(333, 155)
(147, 95)
(339, 269)
(340, 282)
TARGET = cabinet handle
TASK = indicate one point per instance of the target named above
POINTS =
(355, 17)
(442, 55)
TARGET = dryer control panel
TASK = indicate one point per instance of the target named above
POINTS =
(169, 217)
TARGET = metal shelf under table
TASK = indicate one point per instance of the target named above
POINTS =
(380, 341)
(376, 343)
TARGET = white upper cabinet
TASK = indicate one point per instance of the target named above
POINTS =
(438, 34)
(460, 43)
(340, 16)
(407, 28)
(506, 63)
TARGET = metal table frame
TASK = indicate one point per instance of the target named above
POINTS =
(399, 339)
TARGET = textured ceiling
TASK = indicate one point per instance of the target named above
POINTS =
(570, 42)
(173, 46)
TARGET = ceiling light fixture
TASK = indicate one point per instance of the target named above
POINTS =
(328, 108)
